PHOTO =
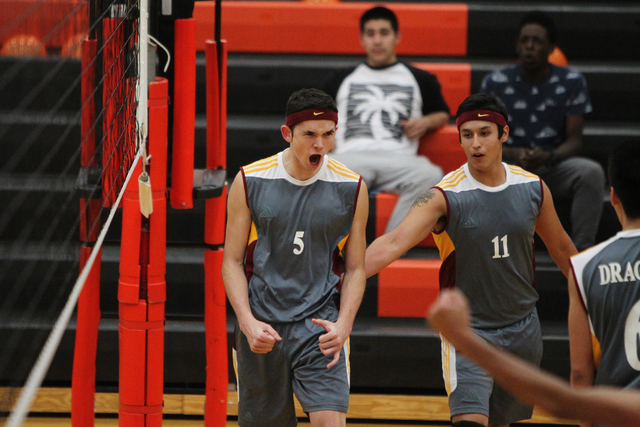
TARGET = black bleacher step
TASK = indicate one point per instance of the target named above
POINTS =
(38, 208)
(260, 84)
(387, 354)
(251, 137)
(602, 31)
(39, 84)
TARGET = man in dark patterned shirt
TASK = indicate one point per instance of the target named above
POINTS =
(546, 104)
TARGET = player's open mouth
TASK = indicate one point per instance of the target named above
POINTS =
(315, 159)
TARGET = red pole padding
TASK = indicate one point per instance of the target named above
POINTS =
(83, 376)
(215, 323)
(142, 267)
(223, 104)
(213, 104)
(83, 387)
(216, 81)
(87, 104)
(184, 113)
(214, 219)
(158, 129)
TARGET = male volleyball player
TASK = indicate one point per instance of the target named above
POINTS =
(604, 289)
(484, 216)
(451, 317)
(296, 222)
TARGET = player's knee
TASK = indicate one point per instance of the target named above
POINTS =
(465, 423)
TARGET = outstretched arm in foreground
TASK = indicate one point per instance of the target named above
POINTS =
(261, 336)
(353, 284)
(451, 317)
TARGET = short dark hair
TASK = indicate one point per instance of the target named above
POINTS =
(379, 12)
(544, 20)
(483, 101)
(309, 98)
(624, 175)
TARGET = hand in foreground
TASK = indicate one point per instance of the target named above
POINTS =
(261, 336)
(450, 315)
(332, 341)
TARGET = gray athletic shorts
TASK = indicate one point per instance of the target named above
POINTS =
(469, 387)
(267, 382)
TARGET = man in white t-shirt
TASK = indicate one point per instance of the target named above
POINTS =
(385, 108)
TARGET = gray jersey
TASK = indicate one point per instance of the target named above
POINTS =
(487, 244)
(608, 278)
(293, 259)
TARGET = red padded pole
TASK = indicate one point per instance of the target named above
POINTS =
(83, 388)
(88, 115)
(141, 327)
(216, 105)
(216, 72)
(184, 114)
(215, 323)
(83, 377)
(213, 104)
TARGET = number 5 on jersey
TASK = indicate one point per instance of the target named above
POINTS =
(297, 241)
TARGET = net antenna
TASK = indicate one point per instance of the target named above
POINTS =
(142, 115)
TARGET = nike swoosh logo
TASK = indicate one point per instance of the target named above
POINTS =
(317, 114)
(482, 115)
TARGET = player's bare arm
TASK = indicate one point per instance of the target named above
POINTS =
(555, 238)
(353, 284)
(421, 219)
(580, 344)
(260, 335)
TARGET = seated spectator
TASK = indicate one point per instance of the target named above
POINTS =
(385, 108)
(546, 105)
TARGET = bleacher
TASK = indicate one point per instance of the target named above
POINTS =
(276, 48)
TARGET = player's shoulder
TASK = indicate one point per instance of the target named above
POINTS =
(455, 180)
(518, 175)
(262, 168)
(337, 171)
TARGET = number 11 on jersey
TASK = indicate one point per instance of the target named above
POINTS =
(496, 247)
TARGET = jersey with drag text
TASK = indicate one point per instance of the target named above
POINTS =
(486, 246)
(608, 279)
(293, 260)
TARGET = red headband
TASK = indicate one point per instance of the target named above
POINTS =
(486, 115)
(304, 115)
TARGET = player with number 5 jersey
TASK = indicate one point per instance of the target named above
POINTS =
(293, 269)
(484, 216)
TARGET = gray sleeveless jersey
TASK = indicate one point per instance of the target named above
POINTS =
(293, 259)
(608, 278)
(487, 244)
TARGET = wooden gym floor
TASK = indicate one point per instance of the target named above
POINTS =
(52, 406)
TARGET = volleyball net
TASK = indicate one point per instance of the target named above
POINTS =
(68, 137)
(84, 125)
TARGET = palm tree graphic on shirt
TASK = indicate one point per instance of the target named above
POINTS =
(376, 111)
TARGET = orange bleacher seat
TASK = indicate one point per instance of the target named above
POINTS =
(23, 45)
(408, 287)
(329, 28)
